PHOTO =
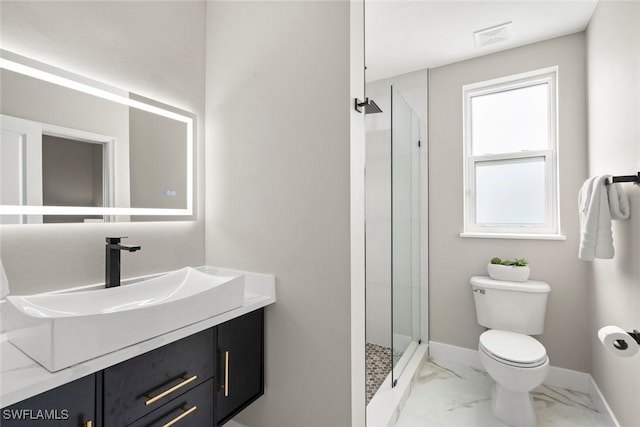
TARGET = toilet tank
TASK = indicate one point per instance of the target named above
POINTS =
(510, 306)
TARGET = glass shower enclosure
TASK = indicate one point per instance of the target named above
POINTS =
(392, 239)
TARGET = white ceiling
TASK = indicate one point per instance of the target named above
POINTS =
(409, 35)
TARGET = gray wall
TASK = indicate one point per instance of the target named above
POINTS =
(453, 260)
(613, 37)
(278, 159)
(127, 45)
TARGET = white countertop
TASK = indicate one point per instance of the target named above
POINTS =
(21, 377)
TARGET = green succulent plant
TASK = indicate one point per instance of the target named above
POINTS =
(520, 262)
(517, 262)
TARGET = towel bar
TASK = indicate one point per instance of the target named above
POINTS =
(625, 178)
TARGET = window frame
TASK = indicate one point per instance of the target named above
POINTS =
(551, 228)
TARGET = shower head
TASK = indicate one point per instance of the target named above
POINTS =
(370, 107)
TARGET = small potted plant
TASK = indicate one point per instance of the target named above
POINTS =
(511, 270)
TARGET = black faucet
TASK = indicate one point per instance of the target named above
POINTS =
(112, 271)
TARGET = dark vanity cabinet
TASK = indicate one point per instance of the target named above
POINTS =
(70, 405)
(202, 380)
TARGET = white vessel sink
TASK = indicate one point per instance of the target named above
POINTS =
(61, 329)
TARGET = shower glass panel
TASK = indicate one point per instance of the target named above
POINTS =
(405, 233)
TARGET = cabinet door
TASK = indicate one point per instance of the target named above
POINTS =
(240, 364)
(70, 405)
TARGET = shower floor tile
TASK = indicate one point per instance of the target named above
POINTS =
(378, 367)
(447, 394)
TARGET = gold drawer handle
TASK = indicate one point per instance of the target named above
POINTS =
(88, 424)
(181, 416)
(153, 398)
(225, 386)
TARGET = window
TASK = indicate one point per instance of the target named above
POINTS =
(510, 154)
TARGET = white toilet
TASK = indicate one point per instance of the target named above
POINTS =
(517, 362)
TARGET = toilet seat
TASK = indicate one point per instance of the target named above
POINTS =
(513, 349)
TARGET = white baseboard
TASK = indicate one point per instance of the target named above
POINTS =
(606, 414)
(453, 353)
(569, 379)
(558, 377)
(232, 423)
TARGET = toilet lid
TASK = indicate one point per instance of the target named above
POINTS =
(513, 348)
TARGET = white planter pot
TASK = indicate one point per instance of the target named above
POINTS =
(508, 273)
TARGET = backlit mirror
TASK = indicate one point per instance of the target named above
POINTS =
(76, 150)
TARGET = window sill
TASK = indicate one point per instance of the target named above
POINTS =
(522, 236)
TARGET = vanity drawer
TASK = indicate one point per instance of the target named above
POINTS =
(143, 384)
(192, 409)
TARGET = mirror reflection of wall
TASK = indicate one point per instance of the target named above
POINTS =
(153, 178)
(60, 111)
(120, 151)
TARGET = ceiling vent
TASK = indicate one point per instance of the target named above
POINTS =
(491, 35)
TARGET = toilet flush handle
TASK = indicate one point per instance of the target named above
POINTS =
(478, 291)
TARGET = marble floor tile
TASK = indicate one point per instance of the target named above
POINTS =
(447, 394)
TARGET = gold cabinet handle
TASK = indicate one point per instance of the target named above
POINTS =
(225, 386)
(89, 423)
(153, 398)
(181, 416)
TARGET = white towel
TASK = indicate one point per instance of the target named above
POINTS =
(618, 202)
(598, 204)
